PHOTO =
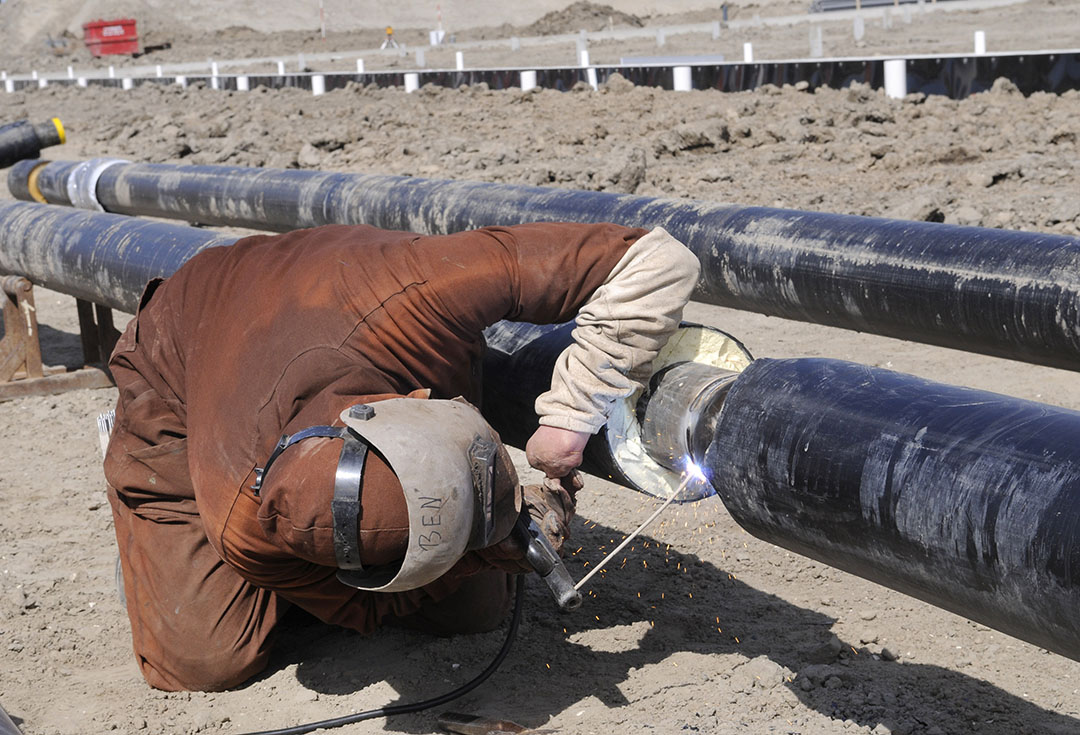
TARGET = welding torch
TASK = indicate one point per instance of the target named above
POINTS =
(545, 561)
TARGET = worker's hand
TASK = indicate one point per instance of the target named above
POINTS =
(554, 451)
(551, 505)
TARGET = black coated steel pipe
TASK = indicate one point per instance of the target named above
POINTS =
(103, 258)
(674, 417)
(7, 727)
(999, 292)
(966, 499)
(24, 139)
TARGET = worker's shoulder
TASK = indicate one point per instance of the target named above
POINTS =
(324, 235)
(308, 245)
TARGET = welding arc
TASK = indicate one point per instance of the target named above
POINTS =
(635, 532)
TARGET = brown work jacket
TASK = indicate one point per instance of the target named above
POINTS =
(278, 333)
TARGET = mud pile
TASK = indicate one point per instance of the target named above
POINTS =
(578, 16)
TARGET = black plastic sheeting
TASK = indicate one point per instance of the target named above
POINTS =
(956, 76)
(966, 499)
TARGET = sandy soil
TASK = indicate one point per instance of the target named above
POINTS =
(704, 629)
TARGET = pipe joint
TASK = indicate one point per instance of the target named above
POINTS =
(82, 183)
(678, 412)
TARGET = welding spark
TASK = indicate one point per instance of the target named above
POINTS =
(688, 477)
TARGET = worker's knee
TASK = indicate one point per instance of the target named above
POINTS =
(206, 673)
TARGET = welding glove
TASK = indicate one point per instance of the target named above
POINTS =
(551, 504)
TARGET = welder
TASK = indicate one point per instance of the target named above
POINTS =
(294, 427)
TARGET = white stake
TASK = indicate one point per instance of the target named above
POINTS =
(980, 42)
(359, 66)
(682, 81)
(528, 80)
(459, 59)
(748, 53)
(896, 78)
(318, 84)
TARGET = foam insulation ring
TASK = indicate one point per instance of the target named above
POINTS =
(32, 183)
(691, 343)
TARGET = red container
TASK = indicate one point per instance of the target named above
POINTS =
(104, 37)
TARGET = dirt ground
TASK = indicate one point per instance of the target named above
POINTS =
(705, 629)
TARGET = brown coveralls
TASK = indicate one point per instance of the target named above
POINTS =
(270, 336)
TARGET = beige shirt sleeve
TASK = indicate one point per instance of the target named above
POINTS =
(619, 331)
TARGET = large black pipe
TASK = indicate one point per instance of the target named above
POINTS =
(999, 292)
(966, 499)
(24, 139)
(103, 258)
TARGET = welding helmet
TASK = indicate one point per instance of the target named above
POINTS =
(460, 487)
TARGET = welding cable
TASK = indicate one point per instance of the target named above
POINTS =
(403, 709)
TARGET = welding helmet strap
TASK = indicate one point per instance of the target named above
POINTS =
(346, 503)
(345, 506)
